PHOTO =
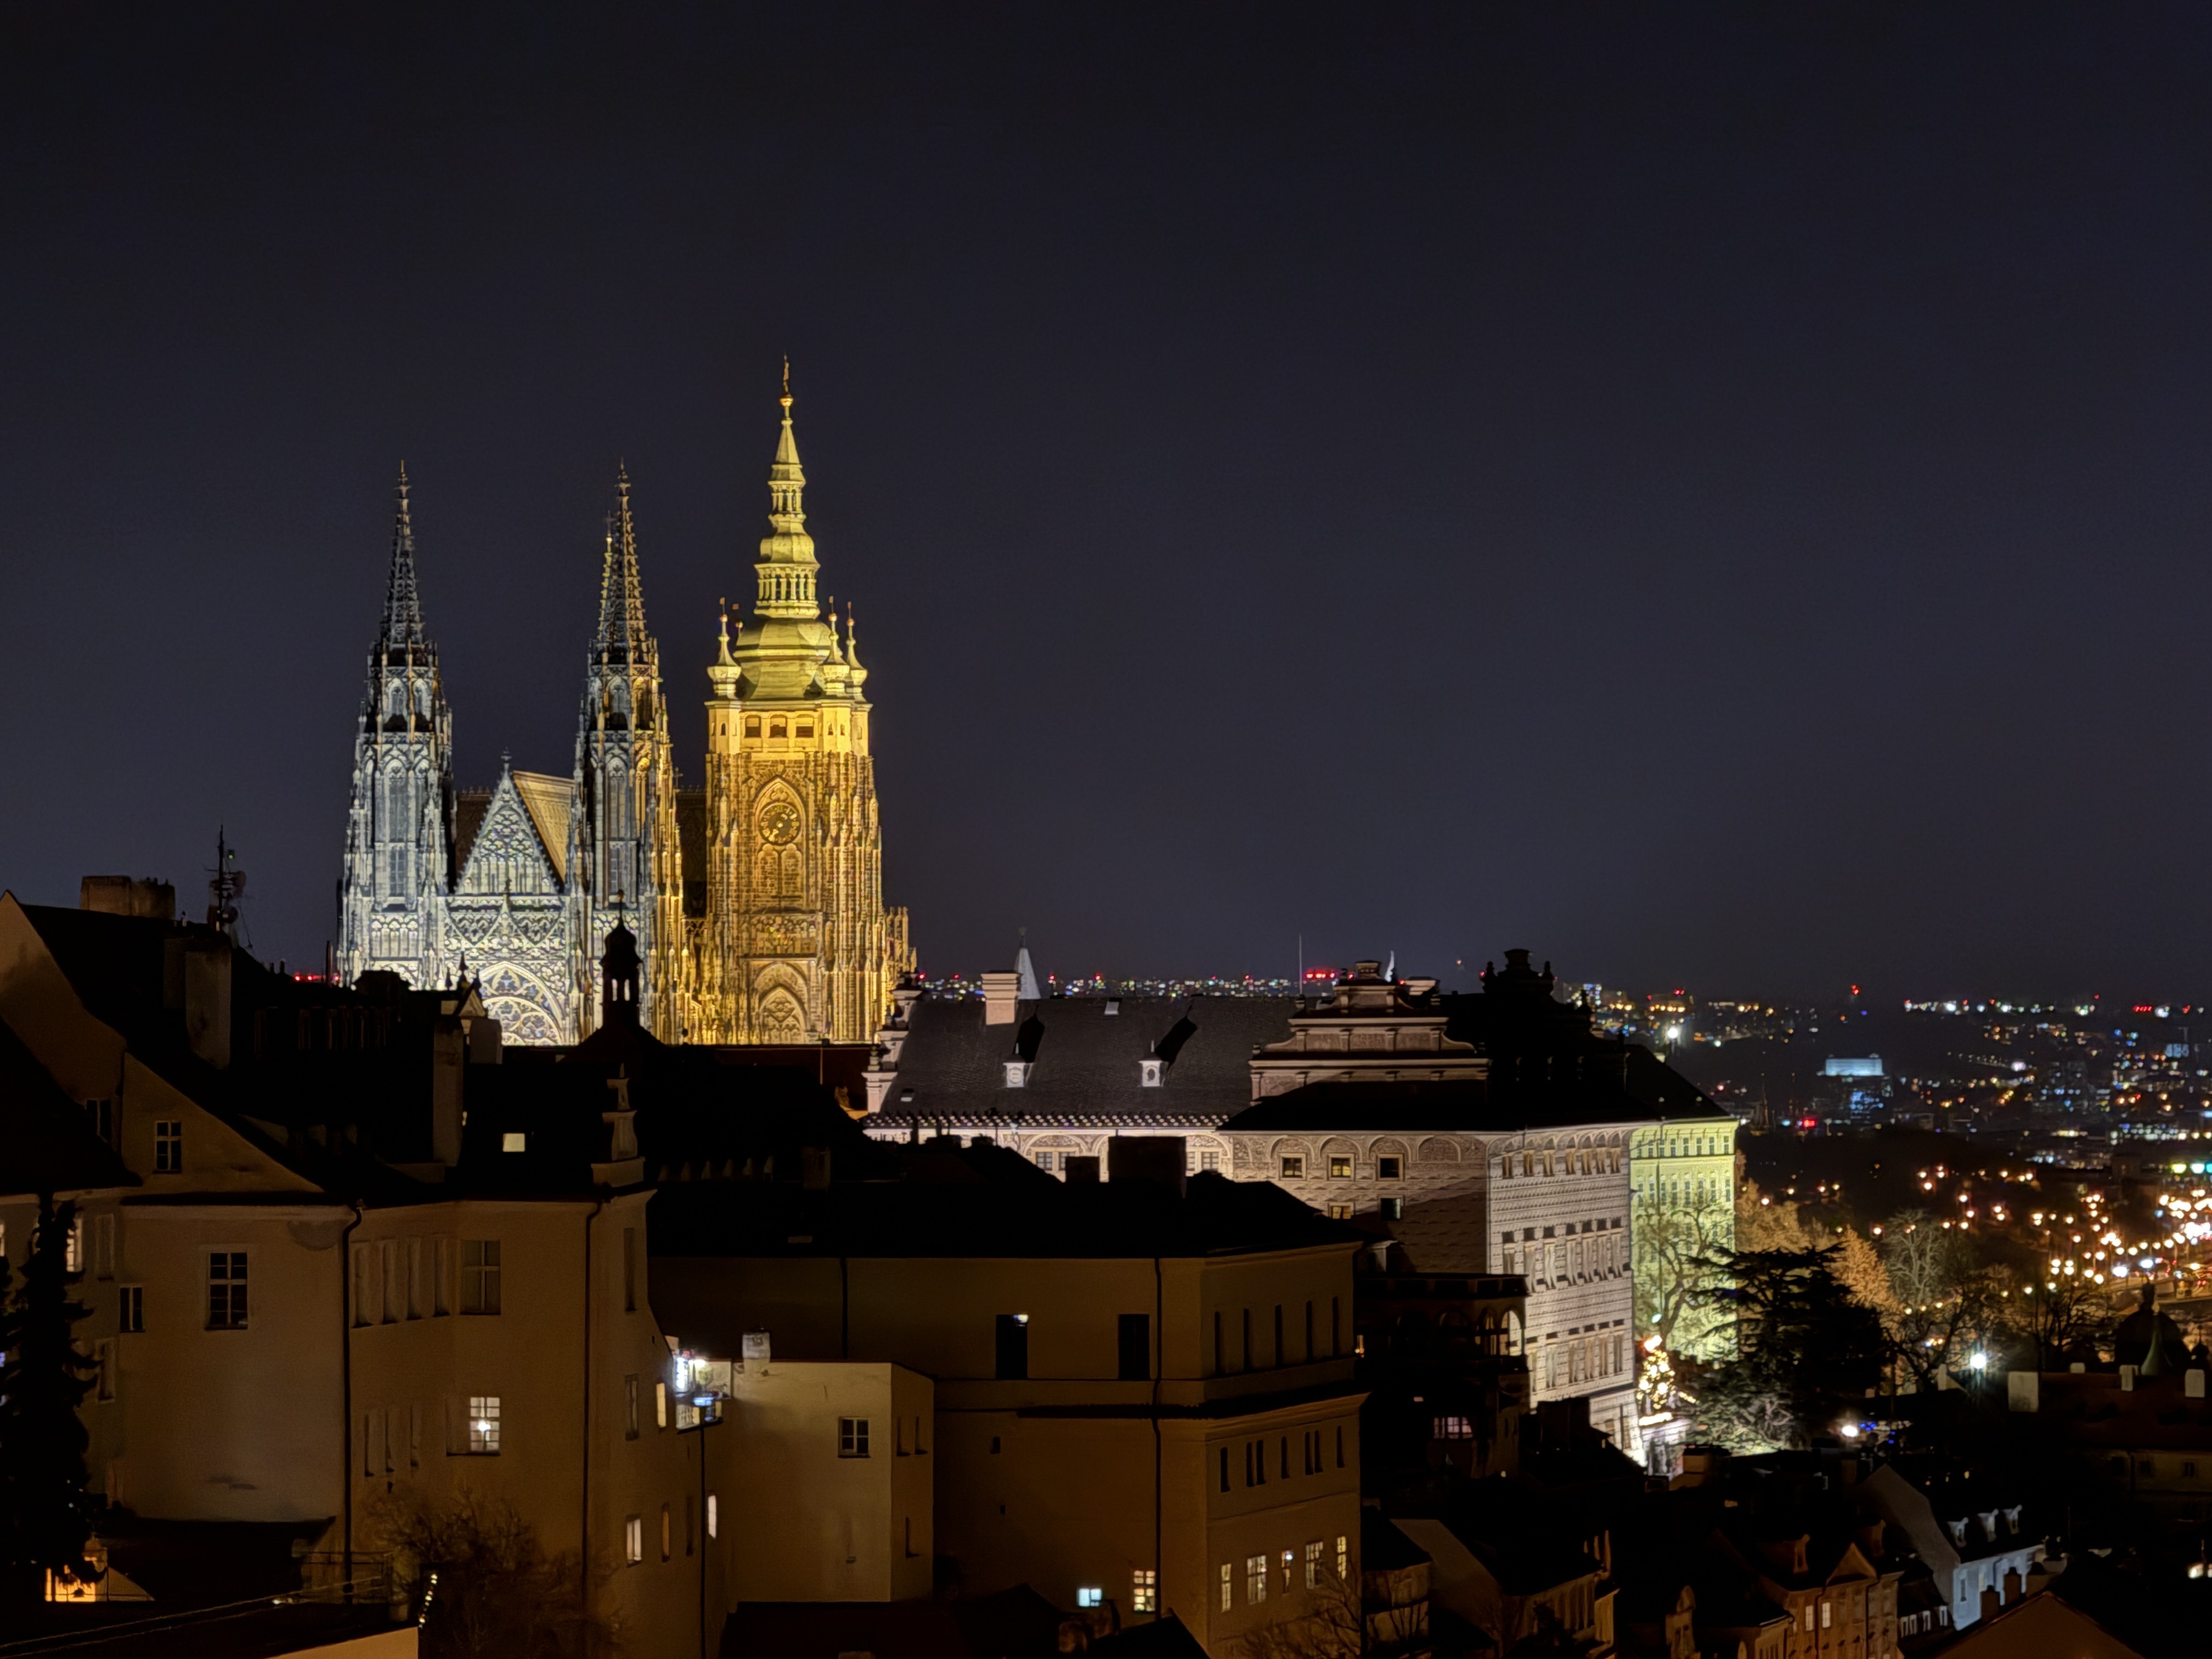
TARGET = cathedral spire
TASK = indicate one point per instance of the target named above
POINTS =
(622, 597)
(787, 557)
(403, 605)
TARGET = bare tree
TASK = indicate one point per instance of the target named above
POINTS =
(484, 1586)
(1331, 1623)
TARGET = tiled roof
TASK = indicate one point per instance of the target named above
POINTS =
(1087, 1060)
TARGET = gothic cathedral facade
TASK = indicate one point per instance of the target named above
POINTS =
(756, 902)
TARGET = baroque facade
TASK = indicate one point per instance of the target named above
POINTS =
(779, 935)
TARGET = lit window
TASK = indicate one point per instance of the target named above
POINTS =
(479, 1275)
(1088, 1595)
(73, 1245)
(1313, 1565)
(1209, 1161)
(1256, 1580)
(1389, 1168)
(169, 1147)
(515, 1140)
(1452, 1428)
(226, 1291)
(634, 1540)
(483, 1423)
(1339, 1169)
(713, 1515)
(660, 1405)
(1143, 1590)
(852, 1437)
(1339, 1212)
(1294, 1169)
(666, 1540)
(1228, 1583)
(1343, 1554)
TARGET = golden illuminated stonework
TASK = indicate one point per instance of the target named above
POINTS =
(796, 945)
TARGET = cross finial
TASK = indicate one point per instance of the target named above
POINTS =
(786, 383)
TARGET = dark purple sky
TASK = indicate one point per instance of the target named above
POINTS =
(1716, 494)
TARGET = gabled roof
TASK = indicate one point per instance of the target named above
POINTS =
(1087, 1060)
(549, 800)
(46, 1144)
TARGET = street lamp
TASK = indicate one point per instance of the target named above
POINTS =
(706, 1413)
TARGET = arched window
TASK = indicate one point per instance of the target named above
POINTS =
(752, 726)
(776, 727)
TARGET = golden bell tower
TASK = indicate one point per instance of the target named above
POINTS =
(797, 946)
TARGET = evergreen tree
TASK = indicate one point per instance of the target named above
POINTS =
(1807, 1350)
(45, 1513)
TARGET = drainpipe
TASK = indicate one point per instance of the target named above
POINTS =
(844, 1310)
(345, 1395)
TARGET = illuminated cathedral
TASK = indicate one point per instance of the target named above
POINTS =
(757, 900)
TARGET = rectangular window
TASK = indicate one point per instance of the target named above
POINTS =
(714, 1515)
(103, 1247)
(852, 1437)
(414, 1297)
(441, 1278)
(103, 1355)
(629, 1270)
(1294, 1169)
(483, 1423)
(226, 1291)
(1343, 1554)
(1313, 1565)
(364, 1300)
(1224, 1468)
(660, 1405)
(1013, 1345)
(1209, 1162)
(1228, 1583)
(394, 1290)
(1309, 1347)
(480, 1276)
(1285, 1465)
(1336, 1326)
(1256, 1580)
(1451, 1428)
(1389, 1168)
(1340, 1445)
(1134, 1346)
(634, 1540)
(1143, 1590)
(1247, 1364)
(666, 1541)
(1278, 1355)
(1339, 1169)
(131, 1309)
(169, 1147)
(629, 1408)
(1340, 1212)
(1090, 1596)
(73, 1245)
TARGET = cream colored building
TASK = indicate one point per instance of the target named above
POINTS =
(1139, 1398)
(1682, 1175)
(290, 1331)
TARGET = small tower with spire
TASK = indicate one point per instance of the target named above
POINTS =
(399, 823)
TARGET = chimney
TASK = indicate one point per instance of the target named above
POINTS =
(2024, 1391)
(120, 895)
(1159, 1160)
(207, 998)
(1991, 1601)
(1001, 993)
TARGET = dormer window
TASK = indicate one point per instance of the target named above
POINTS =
(1148, 1072)
(1017, 1073)
(1113, 1007)
(1958, 1531)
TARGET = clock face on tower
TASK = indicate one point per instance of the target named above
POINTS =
(779, 823)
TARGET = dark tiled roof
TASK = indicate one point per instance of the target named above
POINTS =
(1464, 1107)
(1087, 1060)
(1015, 1624)
(984, 1202)
(46, 1144)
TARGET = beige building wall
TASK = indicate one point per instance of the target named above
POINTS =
(1063, 1480)
(826, 1475)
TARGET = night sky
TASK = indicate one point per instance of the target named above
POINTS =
(1717, 495)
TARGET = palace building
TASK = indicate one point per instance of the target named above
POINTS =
(756, 902)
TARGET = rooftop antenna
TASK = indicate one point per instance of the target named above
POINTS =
(224, 886)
